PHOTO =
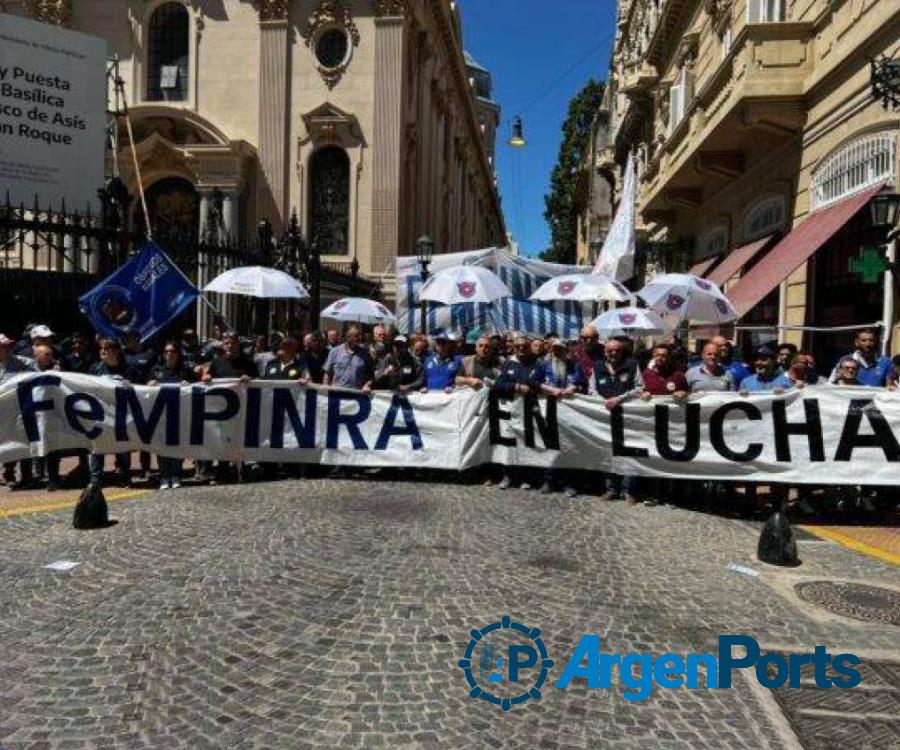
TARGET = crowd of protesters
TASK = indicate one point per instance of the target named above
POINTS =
(514, 365)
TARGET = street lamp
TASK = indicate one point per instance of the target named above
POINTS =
(883, 210)
(424, 253)
(518, 137)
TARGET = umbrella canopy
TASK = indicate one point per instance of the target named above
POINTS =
(257, 281)
(625, 321)
(458, 284)
(686, 297)
(581, 288)
(358, 310)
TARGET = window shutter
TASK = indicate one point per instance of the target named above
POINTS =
(687, 89)
(754, 11)
(674, 103)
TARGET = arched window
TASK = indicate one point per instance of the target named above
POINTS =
(859, 164)
(329, 200)
(764, 217)
(168, 43)
(713, 241)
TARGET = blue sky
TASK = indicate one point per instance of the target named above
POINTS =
(527, 44)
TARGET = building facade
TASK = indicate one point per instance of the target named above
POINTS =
(363, 116)
(594, 193)
(759, 145)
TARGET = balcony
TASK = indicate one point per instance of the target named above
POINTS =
(750, 104)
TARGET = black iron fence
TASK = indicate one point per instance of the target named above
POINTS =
(49, 257)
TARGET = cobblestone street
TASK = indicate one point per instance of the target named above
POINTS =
(333, 613)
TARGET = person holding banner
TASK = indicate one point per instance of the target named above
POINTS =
(738, 369)
(441, 367)
(287, 363)
(710, 375)
(516, 378)
(559, 377)
(349, 364)
(314, 354)
(112, 364)
(479, 369)
(766, 377)
(872, 369)
(618, 379)
(172, 370)
(399, 371)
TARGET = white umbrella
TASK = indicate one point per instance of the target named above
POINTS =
(457, 284)
(257, 281)
(358, 310)
(624, 321)
(687, 297)
(581, 288)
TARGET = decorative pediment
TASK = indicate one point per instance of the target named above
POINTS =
(57, 12)
(330, 124)
(273, 10)
(389, 7)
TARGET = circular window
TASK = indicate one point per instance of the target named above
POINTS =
(332, 47)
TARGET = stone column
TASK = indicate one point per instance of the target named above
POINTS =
(272, 192)
(202, 325)
(386, 141)
(229, 217)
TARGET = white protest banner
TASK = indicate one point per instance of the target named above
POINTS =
(811, 436)
(52, 113)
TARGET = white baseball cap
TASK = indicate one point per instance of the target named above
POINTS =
(41, 332)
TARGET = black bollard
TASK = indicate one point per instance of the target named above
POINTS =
(91, 512)
(777, 545)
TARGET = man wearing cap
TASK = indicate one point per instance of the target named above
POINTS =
(399, 370)
(441, 367)
(39, 335)
(766, 377)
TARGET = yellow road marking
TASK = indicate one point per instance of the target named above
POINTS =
(847, 541)
(24, 510)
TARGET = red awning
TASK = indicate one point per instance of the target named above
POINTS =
(736, 260)
(698, 269)
(795, 249)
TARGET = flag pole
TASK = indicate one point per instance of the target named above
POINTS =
(120, 87)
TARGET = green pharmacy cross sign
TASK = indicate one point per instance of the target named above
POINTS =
(869, 265)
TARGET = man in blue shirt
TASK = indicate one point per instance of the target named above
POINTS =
(766, 378)
(441, 367)
(738, 369)
(873, 370)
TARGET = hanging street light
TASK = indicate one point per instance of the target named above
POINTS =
(518, 138)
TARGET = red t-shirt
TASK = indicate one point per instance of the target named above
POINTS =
(657, 384)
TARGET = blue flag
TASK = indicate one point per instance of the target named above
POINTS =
(142, 296)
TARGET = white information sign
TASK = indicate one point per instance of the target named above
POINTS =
(52, 113)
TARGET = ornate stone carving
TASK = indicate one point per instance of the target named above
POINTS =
(331, 13)
(58, 12)
(273, 10)
(389, 7)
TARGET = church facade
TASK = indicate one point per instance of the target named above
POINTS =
(365, 117)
